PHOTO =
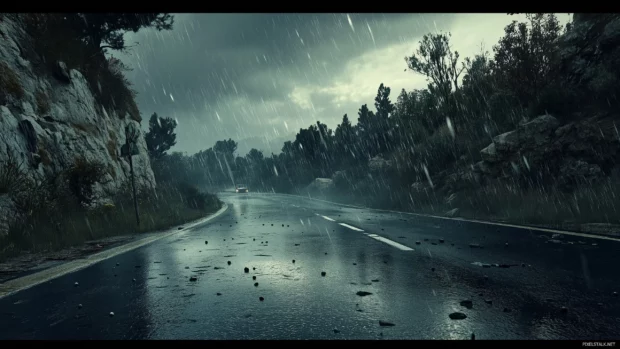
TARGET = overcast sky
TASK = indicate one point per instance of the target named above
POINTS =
(267, 75)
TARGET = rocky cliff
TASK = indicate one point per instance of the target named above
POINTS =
(48, 119)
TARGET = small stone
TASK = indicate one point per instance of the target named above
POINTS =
(442, 241)
(326, 253)
(76, 284)
(261, 299)
(457, 316)
(293, 261)
(434, 243)
(246, 270)
(111, 313)
(564, 310)
(253, 268)
(323, 273)
(523, 265)
(232, 238)
(254, 277)
(354, 263)
(255, 239)
(432, 269)
(180, 228)
(336, 331)
(193, 278)
(507, 310)
(506, 244)
(417, 242)
(425, 239)
(475, 246)
(134, 280)
(256, 284)
(467, 304)
(266, 241)
(375, 280)
(229, 263)
(218, 294)
(488, 301)
(79, 306)
(363, 293)
(186, 267)
(117, 264)
(615, 294)
(385, 323)
(206, 242)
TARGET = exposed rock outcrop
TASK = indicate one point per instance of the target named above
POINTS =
(49, 120)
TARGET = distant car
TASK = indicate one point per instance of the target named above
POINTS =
(240, 188)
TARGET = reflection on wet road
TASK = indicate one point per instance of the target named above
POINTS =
(281, 267)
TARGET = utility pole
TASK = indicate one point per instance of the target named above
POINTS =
(129, 150)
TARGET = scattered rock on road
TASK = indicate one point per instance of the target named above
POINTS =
(253, 277)
(336, 331)
(467, 304)
(457, 316)
(111, 313)
(507, 310)
(256, 284)
(293, 261)
(193, 278)
(206, 242)
(472, 245)
(417, 242)
(218, 294)
(323, 273)
(261, 299)
(79, 306)
(363, 293)
(229, 263)
(375, 280)
(246, 270)
(76, 284)
(385, 323)
(488, 301)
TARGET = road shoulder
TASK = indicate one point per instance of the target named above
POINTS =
(42, 273)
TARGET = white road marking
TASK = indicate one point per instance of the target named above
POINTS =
(350, 227)
(15, 285)
(525, 227)
(390, 242)
(329, 219)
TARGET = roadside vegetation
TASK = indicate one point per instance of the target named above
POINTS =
(412, 151)
(52, 212)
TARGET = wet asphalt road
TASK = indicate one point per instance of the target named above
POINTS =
(413, 286)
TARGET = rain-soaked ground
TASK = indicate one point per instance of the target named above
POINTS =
(320, 271)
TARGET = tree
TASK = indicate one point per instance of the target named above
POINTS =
(161, 136)
(225, 147)
(108, 28)
(436, 60)
(526, 55)
(382, 103)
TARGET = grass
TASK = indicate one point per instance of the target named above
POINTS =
(548, 207)
(9, 84)
(51, 218)
(43, 102)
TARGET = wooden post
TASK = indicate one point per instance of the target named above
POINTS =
(133, 183)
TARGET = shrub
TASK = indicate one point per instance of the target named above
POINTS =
(43, 102)
(9, 84)
(12, 177)
(81, 178)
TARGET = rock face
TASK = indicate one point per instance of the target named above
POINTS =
(542, 150)
(48, 120)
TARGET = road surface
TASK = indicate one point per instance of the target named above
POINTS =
(380, 269)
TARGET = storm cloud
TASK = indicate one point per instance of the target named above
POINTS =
(264, 76)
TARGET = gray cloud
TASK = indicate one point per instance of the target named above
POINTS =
(266, 75)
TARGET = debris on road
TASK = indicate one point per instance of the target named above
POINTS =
(385, 323)
(261, 299)
(76, 284)
(206, 242)
(323, 273)
(417, 242)
(246, 270)
(229, 262)
(375, 280)
(293, 261)
(507, 310)
(218, 294)
(457, 316)
(193, 278)
(363, 293)
(256, 284)
(467, 304)
(111, 313)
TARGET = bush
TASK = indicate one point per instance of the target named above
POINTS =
(10, 86)
(81, 178)
(12, 177)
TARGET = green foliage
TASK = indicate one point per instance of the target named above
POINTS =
(81, 178)
(161, 136)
